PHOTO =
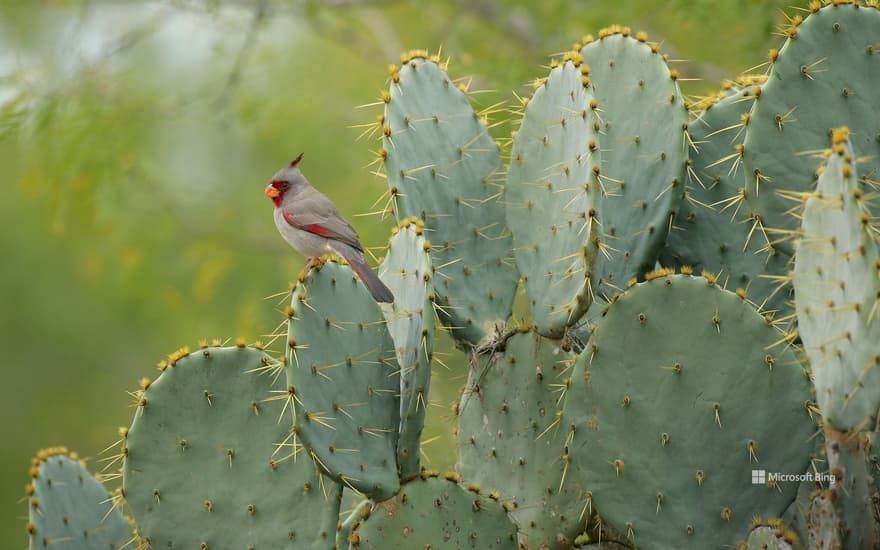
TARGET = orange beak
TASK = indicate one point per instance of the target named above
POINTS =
(271, 192)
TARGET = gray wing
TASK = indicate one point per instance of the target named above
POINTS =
(312, 211)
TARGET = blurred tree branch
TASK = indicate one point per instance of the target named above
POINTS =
(518, 23)
(244, 52)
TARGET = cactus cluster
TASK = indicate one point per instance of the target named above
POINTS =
(637, 406)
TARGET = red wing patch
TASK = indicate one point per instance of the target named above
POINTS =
(311, 228)
(318, 230)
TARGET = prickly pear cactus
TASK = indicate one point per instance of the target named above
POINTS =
(550, 197)
(675, 406)
(433, 512)
(837, 282)
(444, 168)
(200, 463)
(825, 76)
(669, 430)
(823, 522)
(407, 271)
(770, 535)
(796, 517)
(68, 509)
(511, 440)
(853, 507)
(360, 511)
(711, 230)
(643, 123)
(341, 375)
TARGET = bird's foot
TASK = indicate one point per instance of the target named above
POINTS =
(314, 263)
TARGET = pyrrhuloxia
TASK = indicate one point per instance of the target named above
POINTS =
(312, 225)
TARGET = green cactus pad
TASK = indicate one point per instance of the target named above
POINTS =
(874, 463)
(711, 230)
(444, 168)
(359, 511)
(408, 273)
(796, 517)
(432, 512)
(510, 441)
(683, 392)
(68, 509)
(853, 505)
(826, 75)
(644, 148)
(770, 537)
(837, 281)
(823, 524)
(201, 469)
(341, 366)
(550, 197)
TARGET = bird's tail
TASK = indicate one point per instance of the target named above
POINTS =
(377, 288)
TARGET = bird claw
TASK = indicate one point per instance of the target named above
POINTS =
(313, 263)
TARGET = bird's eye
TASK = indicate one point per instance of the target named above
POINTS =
(285, 185)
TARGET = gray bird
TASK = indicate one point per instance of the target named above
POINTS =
(312, 225)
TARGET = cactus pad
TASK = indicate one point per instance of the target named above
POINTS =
(770, 536)
(711, 230)
(853, 490)
(444, 168)
(199, 468)
(681, 394)
(826, 75)
(356, 512)
(837, 281)
(68, 509)
(407, 271)
(823, 522)
(643, 122)
(342, 370)
(432, 512)
(510, 440)
(550, 198)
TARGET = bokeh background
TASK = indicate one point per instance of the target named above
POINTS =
(136, 139)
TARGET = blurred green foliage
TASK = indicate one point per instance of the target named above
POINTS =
(135, 141)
